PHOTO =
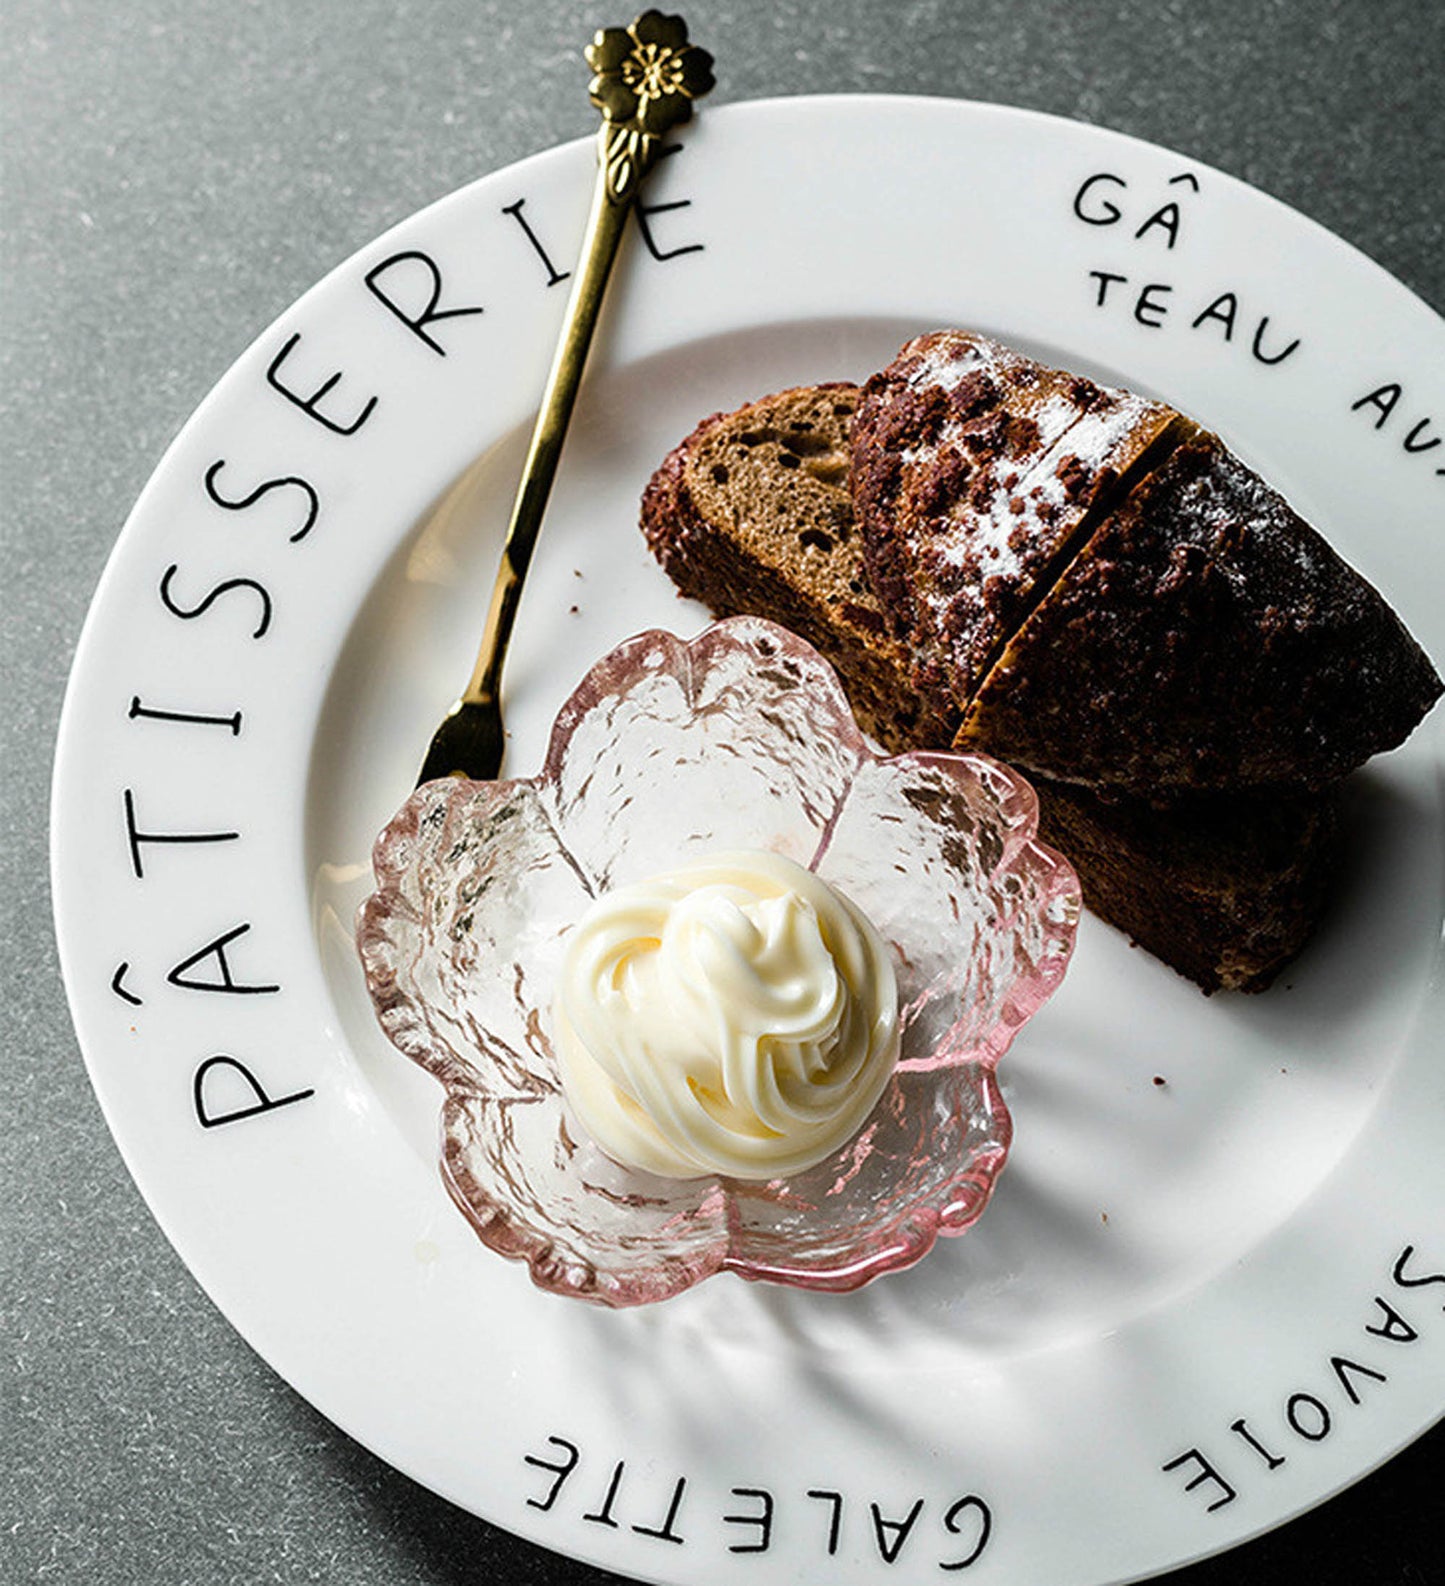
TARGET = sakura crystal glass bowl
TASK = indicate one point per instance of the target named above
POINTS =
(667, 750)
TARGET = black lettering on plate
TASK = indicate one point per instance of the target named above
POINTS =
(665, 1532)
(1315, 1426)
(118, 987)
(1396, 1329)
(311, 405)
(890, 1535)
(264, 489)
(562, 1471)
(1342, 1368)
(645, 212)
(1150, 308)
(951, 1523)
(225, 981)
(215, 593)
(1166, 217)
(1257, 346)
(1383, 399)
(1413, 443)
(763, 1520)
(1204, 1471)
(138, 838)
(1106, 279)
(1271, 1460)
(835, 1519)
(1101, 210)
(554, 275)
(604, 1514)
(430, 313)
(1223, 308)
(1407, 1255)
(233, 721)
(263, 1103)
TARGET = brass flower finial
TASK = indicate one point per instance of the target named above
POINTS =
(645, 78)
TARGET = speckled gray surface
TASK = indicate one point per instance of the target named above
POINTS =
(175, 173)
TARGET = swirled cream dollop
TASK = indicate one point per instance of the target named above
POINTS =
(735, 1016)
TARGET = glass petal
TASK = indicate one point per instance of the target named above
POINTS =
(462, 938)
(740, 739)
(939, 851)
(461, 945)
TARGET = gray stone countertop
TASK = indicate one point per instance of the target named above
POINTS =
(176, 172)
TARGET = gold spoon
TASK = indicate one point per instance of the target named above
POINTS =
(645, 78)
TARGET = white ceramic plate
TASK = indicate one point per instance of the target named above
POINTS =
(1194, 1308)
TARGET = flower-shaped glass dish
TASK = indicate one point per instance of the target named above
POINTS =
(668, 750)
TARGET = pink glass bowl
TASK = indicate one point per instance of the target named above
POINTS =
(741, 738)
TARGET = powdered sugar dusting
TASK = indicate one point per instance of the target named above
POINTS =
(1011, 501)
(993, 481)
(996, 534)
(1098, 435)
(947, 361)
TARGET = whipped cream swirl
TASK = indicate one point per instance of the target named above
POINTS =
(735, 1016)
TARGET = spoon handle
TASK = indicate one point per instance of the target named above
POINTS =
(599, 249)
(646, 77)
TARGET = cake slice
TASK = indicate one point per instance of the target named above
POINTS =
(1203, 637)
(1224, 887)
(752, 513)
(974, 470)
(1129, 607)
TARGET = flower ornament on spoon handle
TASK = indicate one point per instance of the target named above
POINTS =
(645, 78)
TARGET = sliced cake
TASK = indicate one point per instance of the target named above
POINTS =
(974, 471)
(1205, 636)
(1224, 887)
(1126, 605)
(752, 513)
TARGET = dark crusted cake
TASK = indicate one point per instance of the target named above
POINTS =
(1204, 637)
(1127, 606)
(974, 471)
(752, 513)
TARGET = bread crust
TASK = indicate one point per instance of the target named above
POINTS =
(1206, 637)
